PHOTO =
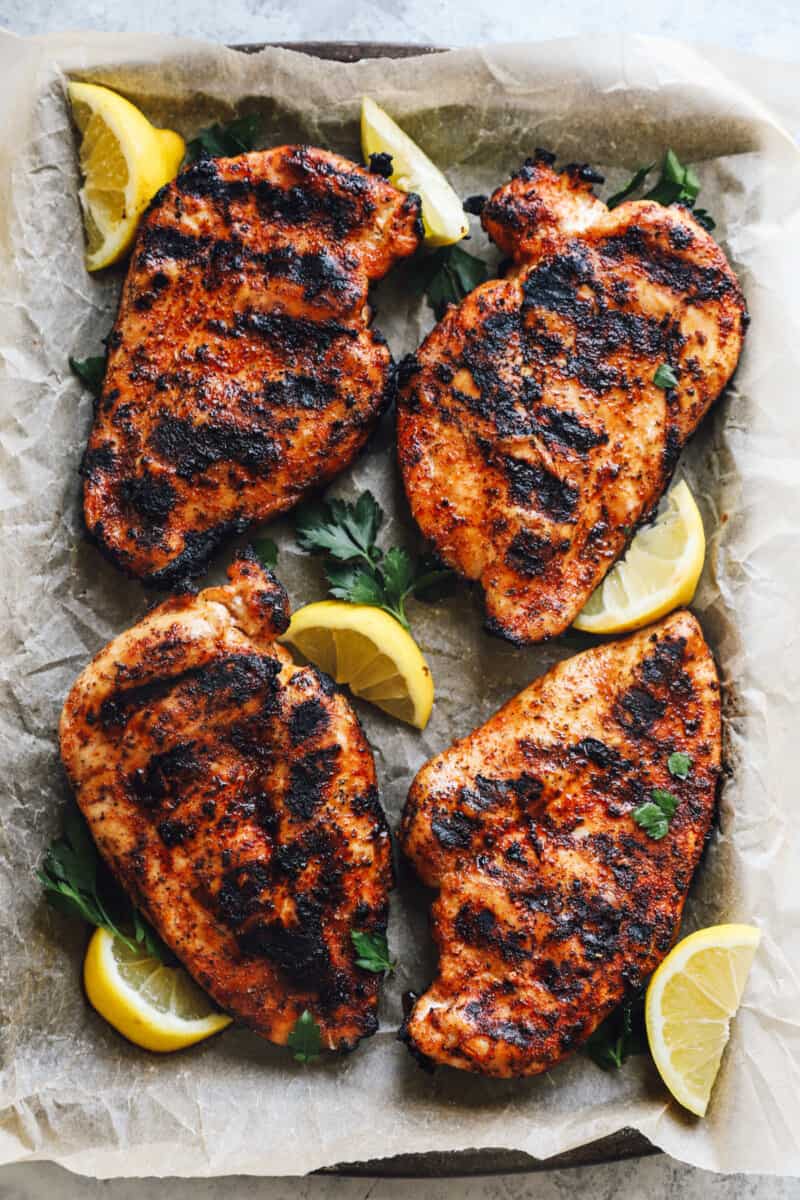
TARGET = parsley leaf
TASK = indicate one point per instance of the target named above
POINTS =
(677, 184)
(656, 813)
(224, 140)
(305, 1038)
(267, 551)
(69, 876)
(448, 275)
(90, 371)
(679, 765)
(620, 1035)
(343, 530)
(373, 951)
(633, 185)
(665, 377)
(357, 569)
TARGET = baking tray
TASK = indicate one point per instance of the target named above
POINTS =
(627, 1143)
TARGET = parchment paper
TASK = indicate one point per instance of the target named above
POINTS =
(73, 1091)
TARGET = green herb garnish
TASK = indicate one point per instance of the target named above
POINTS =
(69, 876)
(224, 140)
(620, 1035)
(373, 951)
(656, 813)
(305, 1039)
(679, 765)
(266, 550)
(360, 571)
(633, 185)
(448, 275)
(90, 371)
(665, 377)
(678, 184)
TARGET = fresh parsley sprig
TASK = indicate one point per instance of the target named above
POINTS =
(677, 184)
(448, 275)
(655, 815)
(90, 371)
(679, 765)
(665, 377)
(373, 952)
(267, 551)
(620, 1035)
(69, 875)
(357, 569)
(305, 1039)
(224, 140)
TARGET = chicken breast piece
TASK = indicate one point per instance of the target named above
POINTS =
(553, 901)
(242, 371)
(233, 795)
(532, 435)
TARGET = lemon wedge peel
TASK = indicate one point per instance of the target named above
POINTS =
(124, 160)
(370, 651)
(690, 1001)
(658, 574)
(152, 1005)
(412, 171)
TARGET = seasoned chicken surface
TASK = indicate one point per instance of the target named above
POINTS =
(242, 371)
(233, 795)
(532, 436)
(552, 900)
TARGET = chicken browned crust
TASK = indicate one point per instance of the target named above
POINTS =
(242, 371)
(552, 900)
(233, 794)
(532, 435)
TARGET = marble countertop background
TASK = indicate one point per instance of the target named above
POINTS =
(771, 28)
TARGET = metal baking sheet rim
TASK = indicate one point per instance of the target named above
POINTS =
(452, 1164)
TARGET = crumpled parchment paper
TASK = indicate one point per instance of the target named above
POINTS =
(73, 1091)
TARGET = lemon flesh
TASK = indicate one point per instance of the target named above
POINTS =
(690, 1002)
(412, 171)
(658, 574)
(124, 160)
(152, 1005)
(370, 651)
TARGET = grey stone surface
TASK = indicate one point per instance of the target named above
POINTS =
(771, 27)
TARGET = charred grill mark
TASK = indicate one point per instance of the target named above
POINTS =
(193, 447)
(454, 830)
(479, 927)
(166, 775)
(298, 949)
(491, 793)
(558, 425)
(555, 497)
(98, 461)
(308, 718)
(198, 547)
(601, 755)
(308, 782)
(239, 896)
(637, 710)
(339, 212)
(150, 497)
(529, 554)
(236, 677)
(691, 281)
(300, 391)
(174, 832)
(295, 334)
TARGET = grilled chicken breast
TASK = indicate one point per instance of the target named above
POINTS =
(242, 371)
(532, 435)
(552, 900)
(233, 795)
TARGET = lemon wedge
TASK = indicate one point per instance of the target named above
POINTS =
(690, 1001)
(124, 160)
(154, 1006)
(368, 650)
(659, 572)
(412, 171)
